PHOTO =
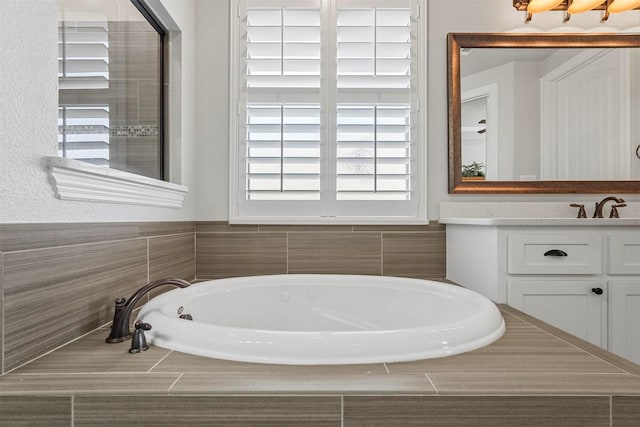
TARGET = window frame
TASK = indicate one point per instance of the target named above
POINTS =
(356, 211)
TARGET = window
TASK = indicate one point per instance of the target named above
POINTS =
(327, 125)
(111, 83)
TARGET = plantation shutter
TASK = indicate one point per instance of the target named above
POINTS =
(83, 133)
(83, 64)
(374, 111)
(327, 103)
(282, 127)
(83, 55)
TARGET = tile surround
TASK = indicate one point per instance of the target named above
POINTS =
(526, 365)
(46, 266)
(490, 411)
(16, 411)
(410, 251)
(58, 281)
(54, 295)
(221, 255)
(177, 388)
(309, 411)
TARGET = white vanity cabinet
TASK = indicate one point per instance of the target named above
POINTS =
(584, 279)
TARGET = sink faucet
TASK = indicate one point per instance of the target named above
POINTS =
(122, 315)
(599, 205)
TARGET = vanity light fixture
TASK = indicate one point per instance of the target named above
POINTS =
(623, 5)
(575, 6)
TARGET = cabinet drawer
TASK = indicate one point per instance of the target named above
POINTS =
(624, 254)
(554, 254)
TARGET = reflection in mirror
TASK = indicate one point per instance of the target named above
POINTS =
(544, 113)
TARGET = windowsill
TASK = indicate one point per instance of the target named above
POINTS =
(80, 181)
(352, 220)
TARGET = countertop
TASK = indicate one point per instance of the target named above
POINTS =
(609, 222)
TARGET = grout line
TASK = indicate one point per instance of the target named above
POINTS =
(195, 254)
(159, 361)
(610, 411)
(175, 382)
(431, 382)
(2, 348)
(148, 264)
(386, 368)
(342, 411)
(287, 250)
(381, 253)
(73, 410)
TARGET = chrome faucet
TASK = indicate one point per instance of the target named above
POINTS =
(600, 205)
(122, 315)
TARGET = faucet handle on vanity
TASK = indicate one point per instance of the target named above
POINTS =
(581, 212)
(614, 210)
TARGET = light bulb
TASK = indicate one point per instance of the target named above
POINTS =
(623, 5)
(579, 6)
(537, 6)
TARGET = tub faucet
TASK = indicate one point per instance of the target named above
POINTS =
(600, 205)
(122, 315)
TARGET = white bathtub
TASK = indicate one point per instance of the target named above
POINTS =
(322, 319)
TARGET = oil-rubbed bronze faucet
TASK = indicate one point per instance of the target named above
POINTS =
(122, 315)
(600, 205)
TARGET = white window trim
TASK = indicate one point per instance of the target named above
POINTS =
(81, 181)
(420, 138)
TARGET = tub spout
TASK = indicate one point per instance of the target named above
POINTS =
(123, 308)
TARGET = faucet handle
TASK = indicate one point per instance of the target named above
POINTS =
(614, 210)
(581, 212)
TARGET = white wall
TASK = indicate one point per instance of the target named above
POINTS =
(28, 102)
(212, 111)
(28, 119)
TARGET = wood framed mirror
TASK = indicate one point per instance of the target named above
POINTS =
(544, 113)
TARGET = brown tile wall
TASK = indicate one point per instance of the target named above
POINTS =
(58, 281)
(319, 410)
(242, 250)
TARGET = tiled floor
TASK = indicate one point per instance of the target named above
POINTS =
(532, 359)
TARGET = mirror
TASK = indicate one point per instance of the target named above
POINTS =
(544, 113)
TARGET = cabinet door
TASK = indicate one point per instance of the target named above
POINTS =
(571, 305)
(624, 316)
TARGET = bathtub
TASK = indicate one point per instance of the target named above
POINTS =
(322, 319)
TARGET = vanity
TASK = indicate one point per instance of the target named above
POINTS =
(580, 275)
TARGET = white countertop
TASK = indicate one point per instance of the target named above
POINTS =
(543, 221)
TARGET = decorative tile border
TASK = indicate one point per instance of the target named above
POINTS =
(134, 131)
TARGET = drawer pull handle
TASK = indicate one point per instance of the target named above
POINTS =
(555, 252)
(597, 291)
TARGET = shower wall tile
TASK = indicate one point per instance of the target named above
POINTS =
(336, 253)
(33, 411)
(17, 237)
(209, 410)
(625, 411)
(52, 296)
(522, 411)
(418, 255)
(240, 254)
(172, 256)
